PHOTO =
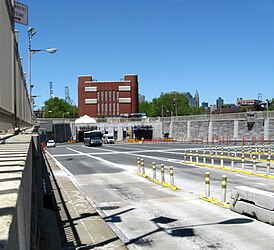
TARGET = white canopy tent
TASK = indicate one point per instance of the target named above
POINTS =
(85, 120)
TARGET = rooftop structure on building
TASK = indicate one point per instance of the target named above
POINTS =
(248, 102)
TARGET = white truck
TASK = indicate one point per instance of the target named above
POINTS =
(108, 139)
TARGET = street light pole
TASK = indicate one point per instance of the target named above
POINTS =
(31, 33)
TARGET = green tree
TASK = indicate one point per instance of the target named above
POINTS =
(146, 107)
(59, 108)
(170, 104)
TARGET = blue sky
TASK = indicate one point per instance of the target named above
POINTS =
(221, 48)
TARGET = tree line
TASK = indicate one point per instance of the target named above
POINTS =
(170, 104)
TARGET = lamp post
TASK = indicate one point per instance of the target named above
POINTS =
(31, 33)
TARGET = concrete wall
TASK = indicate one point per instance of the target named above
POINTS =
(256, 125)
(20, 193)
(186, 128)
(15, 107)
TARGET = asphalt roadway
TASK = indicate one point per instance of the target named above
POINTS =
(146, 215)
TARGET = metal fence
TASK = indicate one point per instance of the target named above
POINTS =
(15, 109)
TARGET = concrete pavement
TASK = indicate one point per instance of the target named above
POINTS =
(80, 225)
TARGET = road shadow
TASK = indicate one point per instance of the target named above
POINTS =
(183, 231)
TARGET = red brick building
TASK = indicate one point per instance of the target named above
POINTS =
(108, 98)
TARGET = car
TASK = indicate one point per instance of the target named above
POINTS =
(108, 139)
(51, 143)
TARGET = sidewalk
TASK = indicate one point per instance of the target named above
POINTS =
(80, 226)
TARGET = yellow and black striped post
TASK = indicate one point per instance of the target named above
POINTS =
(268, 166)
(204, 157)
(207, 184)
(162, 173)
(224, 181)
(212, 159)
(232, 161)
(185, 153)
(171, 172)
(254, 165)
(250, 152)
(154, 170)
(222, 160)
(243, 163)
(138, 165)
(142, 167)
(190, 155)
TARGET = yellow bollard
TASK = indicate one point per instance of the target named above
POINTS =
(190, 155)
(207, 184)
(222, 160)
(232, 161)
(162, 173)
(254, 165)
(138, 165)
(243, 163)
(224, 181)
(204, 157)
(171, 172)
(268, 166)
(142, 167)
(154, 170)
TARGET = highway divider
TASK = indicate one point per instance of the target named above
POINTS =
(247, 160)
(253, 202)
(141, 171)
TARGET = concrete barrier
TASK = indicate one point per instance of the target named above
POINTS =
(253, 202)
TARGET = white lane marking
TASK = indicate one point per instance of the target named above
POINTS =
(64, 155)
(98, 148)
(103, 160)
(60, 165)
(259, 183)
(243, 176)
(128, 153)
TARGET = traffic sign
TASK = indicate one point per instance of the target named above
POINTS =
(21, 13)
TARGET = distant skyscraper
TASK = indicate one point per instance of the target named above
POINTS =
(205, 104)
(142, 98)
(197, 103)
(219, 102)
(67, 98)
(190, 98)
